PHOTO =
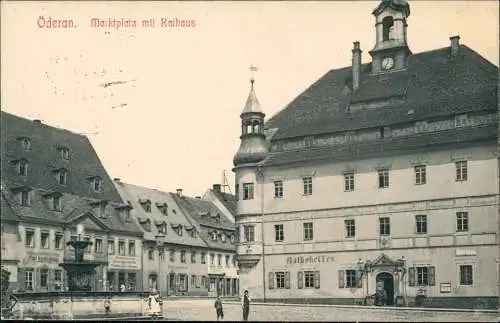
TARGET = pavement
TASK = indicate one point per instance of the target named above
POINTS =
(203, 310)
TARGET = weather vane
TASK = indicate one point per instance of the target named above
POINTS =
(252, 69)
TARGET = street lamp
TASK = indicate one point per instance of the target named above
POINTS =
(401, 268)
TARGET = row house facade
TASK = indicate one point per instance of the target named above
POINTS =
(379, 176)
(52, 181)
(218, 231)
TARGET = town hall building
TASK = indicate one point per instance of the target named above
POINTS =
(379, 175)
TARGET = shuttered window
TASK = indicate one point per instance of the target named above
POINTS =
(271, 280)
(300, 280)
(279, 280)
(422, 276)
(287, 280)
(341, 279)
(316, 279)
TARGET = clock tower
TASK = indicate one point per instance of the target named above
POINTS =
(391, 47)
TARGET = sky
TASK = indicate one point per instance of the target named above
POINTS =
(161, 105)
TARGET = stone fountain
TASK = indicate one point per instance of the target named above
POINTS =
(81, 300)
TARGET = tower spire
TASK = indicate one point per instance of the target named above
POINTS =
(252, 69)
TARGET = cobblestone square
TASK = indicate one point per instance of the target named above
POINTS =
(202, 310)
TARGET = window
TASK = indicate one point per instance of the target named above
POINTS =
(204, 281)
(383, 178)
(461, 170)
(219, 260)
(131, 248)
(26, 143)
(278, 189)
(233, 238)
(163, 209)
(308, 185)
(351, 279)
(64, 153)
(388, 24)
(147, 207)
(212, 259)
(183, 256)
(56, 203)
(151, 254)
(57, 279)
(162, 228)
(44, 278)
(193, 280)
(59, 241)
(214, 236)
(29, 279)
(193, 257)
(234, 261)
(350, 228)
(203, 258)
(193, 233)
(462, 221)
(249, 232)
(97, 184)
(237, 191)
(161, 254)
(172, 255)
(420, 175)
(227, 261)
(121, 248)
(385, 226)
(421, 221)
(422, 276)
(248, 191)
(111, 247)
(24, 198)
(278, 232)
(280, 280)
(29, 240)
(223, 237)
(23, 168)
(62, 177)
(98, 245)
(308, 231)
(349, 182)
(466, 275)
(308, 279)
(44, 240)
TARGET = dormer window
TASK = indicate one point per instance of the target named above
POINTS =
(23, 195)
(22, 167)
(124, 211)
(97, 184)
(177, 228)
(146, 224)
(56, 203)
(223, 237)
(62, 176)
(64, 152)
(193, 233)
(162, 228)
(25, 143)
(163, 208)
(214, 236)
(216, 217)
(233, 238)
(100, 208)
(146, 205)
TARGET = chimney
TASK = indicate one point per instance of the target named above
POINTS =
(37, 121)
(455, 44)
(179, 192)
(356, 65)
(216, 187)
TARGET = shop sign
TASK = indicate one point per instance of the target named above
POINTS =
(309, 259)
(124, 262)
(43, 257)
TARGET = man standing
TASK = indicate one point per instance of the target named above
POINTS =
(245, 303)
(218, 308)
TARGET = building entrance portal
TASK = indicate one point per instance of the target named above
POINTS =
(386, 281)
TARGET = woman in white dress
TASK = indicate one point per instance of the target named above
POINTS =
(154, 308)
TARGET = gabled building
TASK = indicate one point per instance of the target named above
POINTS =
(53, 180)
(225, 202)
(378, 176)
(218, 231)
(173, 252)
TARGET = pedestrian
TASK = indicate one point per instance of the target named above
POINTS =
(153, 304)
(218, 308)
(245, 303)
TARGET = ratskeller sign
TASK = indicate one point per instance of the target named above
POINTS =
(309, 259)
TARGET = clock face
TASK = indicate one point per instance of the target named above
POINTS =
(387, 63)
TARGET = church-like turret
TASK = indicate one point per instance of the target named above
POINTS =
(253, 147)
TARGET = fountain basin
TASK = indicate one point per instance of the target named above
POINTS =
(81, 305)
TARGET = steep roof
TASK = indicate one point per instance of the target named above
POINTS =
(433, 85)
(136, 196)
(7, 212)
(44, 158)
(210, 220)
(73, 208)
(229, 200)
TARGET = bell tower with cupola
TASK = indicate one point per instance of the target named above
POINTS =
(249, 185)
(391, 49)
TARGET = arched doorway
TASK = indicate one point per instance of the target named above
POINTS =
(388, 282)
